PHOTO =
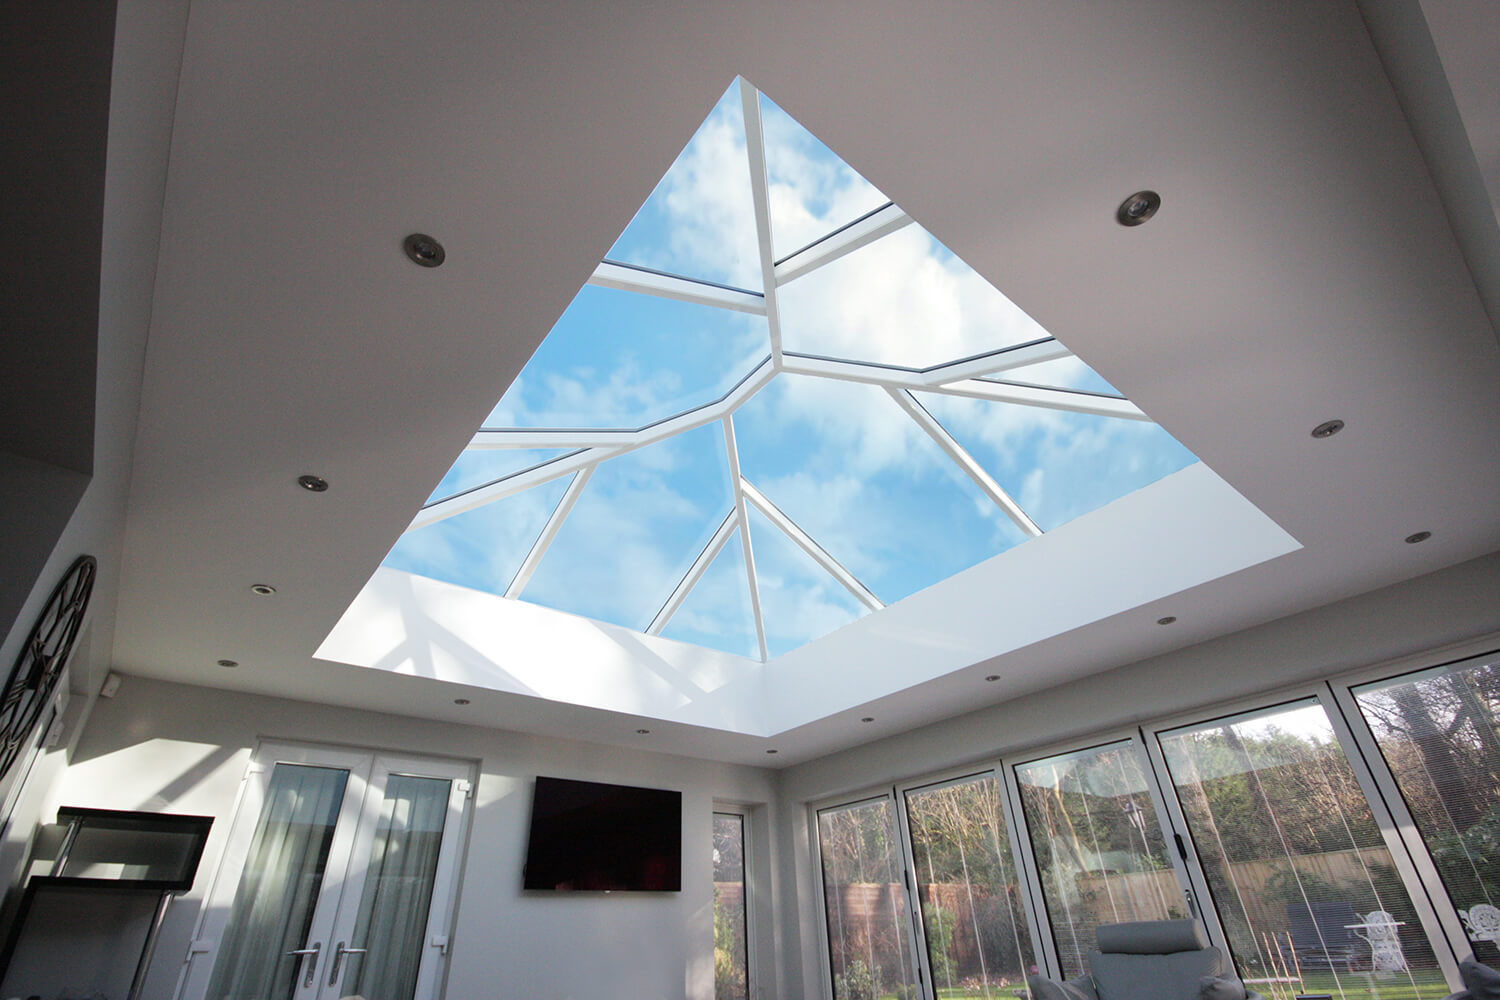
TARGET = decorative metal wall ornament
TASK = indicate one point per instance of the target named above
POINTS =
(42, 659)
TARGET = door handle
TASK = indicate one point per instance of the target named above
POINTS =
(338, 959)
(309, 958)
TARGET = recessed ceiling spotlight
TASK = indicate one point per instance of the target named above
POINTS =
(868, 718)
(1169, 619)
(1327, 429)
(460, 701)
(642, 732)
(263, 589)
(1138, 208)
(313, 484)
(773, 751)
(229, 663)
(992, 678)
(1420, 536)
(424, 250)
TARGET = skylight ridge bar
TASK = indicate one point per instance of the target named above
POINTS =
(807, 544)
(965, 461)
(1055, 388)
(549, 531)
(671, 286)
(755, 151)
(742, 515)
(694, 574)
(509, 486)
(842, 242)
(658, 272)
(1046, 398)
(1016, 356)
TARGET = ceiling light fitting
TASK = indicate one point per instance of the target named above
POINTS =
(1420, 536)
(263, 589)
(1327, 429)
(1169, 619)
(1138, 208)
(424, 250)
(642, 732)
(773, 751)
(229, 663)
(313, 484)
(992, 678)
(868, 718)
(460, 701)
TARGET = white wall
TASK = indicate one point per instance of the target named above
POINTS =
(1454, 606)
(175, 748)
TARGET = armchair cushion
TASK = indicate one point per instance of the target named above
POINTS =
(1483, 982)
(1043, 988)
(1221, 988)
(1175, 976)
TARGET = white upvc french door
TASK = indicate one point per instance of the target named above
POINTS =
(337, 879)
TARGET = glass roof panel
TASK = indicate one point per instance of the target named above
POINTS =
(700, 220)
(476, 468)
(903, 300)
(717, 613)
(637, 527)
(856, 473)
(1061, 373)
(1059, 465)
(481, 548)
(622, 359)
(810, 191)
(799, 601)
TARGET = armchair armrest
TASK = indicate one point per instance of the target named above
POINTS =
(1079, 988)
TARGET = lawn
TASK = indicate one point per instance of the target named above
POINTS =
(1424, 984)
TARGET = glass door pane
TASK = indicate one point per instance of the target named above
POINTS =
(869, 933)
(1438, 734)
(278, 891)
(731, 955)
(978, 939)
(1098, 845)
(386, 948)
(1306, 890)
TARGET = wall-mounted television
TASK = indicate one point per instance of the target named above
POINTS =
(587, 836)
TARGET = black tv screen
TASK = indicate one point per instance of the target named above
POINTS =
(591, 837)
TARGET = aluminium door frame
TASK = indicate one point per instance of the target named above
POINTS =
(938, 779)
(1342, 690)
(1320, 692)
(869, 794)
(1181, 867)
(752, 937)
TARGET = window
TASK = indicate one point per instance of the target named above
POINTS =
(731, 909)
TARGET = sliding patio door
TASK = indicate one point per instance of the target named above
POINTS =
(336, 880)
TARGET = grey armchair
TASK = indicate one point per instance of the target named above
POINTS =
(1480, 981)
(1149, 960)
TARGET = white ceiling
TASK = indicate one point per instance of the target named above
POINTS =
(1302, 267)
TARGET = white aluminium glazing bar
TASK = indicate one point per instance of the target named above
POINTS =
(509, 486)
(755, 149)
(624, 440)
(694, 574)
(830, 248)
(743, 517)
(1047, 399)
(670, 286)
(994, 362)
(965, 461)
(549, 531)
(805, 542)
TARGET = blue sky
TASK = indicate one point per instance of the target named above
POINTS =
(841, 459)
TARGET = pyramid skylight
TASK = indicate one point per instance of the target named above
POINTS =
(777, 406)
